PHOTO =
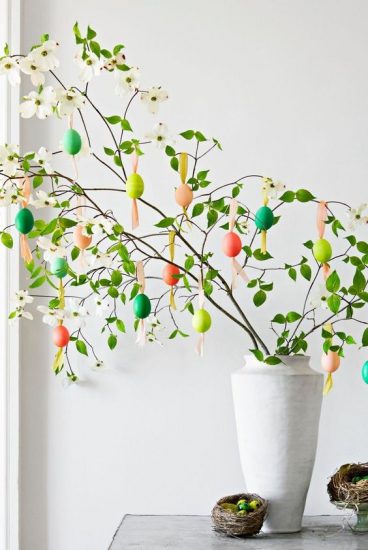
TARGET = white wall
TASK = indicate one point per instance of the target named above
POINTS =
(284, 86)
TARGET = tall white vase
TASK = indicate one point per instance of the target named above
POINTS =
(277, 410)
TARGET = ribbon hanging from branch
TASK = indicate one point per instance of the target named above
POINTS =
(172, 256)
(184, 193)
(321, 226)
(200, 342)
(141, 331)
(58, 362)
(25, 250)
(237, 269)
(330, 361)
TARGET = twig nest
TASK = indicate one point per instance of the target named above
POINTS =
(240, 515)
(349, 484)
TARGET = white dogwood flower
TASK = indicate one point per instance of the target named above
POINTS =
(356, 218)
(51, 316)
(10, 67)
(320, 297)
(20, 313)
(9, 159)
(69, 101)
(111, 63)
(10, 194)
(101, 307)
(43, 158)
(88, 67)
(31, 66)
(45, 57)
(22, 297)
(51, 250)
(159, 135)
(98, 365)
(272, 189)
(102, 225)
(76, 312)
(153, 97)
(126, 81)
(39, 103)
(100, 259)
(43, 200)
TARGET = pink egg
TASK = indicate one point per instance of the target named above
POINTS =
(184, 195)
(330, 361)
(80, 240)
(231, 244)
(60, 336)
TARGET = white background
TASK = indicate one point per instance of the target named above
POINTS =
(284, 86)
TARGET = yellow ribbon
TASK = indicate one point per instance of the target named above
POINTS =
(58, 361)
(183, 166)
(328, 384)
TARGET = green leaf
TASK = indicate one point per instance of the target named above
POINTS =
(303, 195)
(120, 325)
(95, 47)
(288, 196)
(38, 282)
(306, 271)
(114, 119)
(173, 334)
(188, 134)
(212, 217)
(359, 281)
(272, 360)
(235, 191)
(257, 254)
(7, 239)
(90, 33)
(292, 273)
(116, 277)
(279, 318)
(126, 125)
(113, 292)
(362, 246)
(365, 338)
(118, 48)
(334, 302)
(112, 341)
(199, 136)
(197, 209)
(109, 151)
(37, 181)
(189, 263)
(75, 252)
(292, 316)
(174, 163)
(257, 354)
(170, 151)
(259, 298)
(66, 223)
(81, 347)
(333, 282)
(165, 222)
(308, 244)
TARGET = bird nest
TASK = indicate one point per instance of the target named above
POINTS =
(231, 522)
(347, 484)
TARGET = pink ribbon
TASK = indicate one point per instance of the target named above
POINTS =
(322, 214)
(237, 269)
(25, 250)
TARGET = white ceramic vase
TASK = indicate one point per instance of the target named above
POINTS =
(277, 410)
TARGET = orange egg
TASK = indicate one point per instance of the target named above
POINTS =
(231, 244)
(60, 336)
(168, 274)
(184, 195)
(330, 361)
(80, 240)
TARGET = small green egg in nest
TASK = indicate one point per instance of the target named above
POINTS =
(349, 484)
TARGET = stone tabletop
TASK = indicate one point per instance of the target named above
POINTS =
(196, 533)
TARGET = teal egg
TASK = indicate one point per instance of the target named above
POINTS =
(141, 306)
(59, 267)
(264, 218)
(72, 142)
(24, 221)
(365, 372)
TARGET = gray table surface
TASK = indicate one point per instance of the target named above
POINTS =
(196, 533)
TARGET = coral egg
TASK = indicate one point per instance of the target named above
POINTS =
(168, 274)
(331, 361)
(60, 336)
(80, 240)
(201, 320)
(184, 195)
(231, 244)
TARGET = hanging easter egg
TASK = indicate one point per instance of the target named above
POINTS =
(141, 306)
(201, 320)
(168, 274)
(72, 142)
(134, 186)
(59, 267)
(60, 336)
(322, 251)
(231, 244)
(264, 218)
(80, 240)
(365, 372)
(24, 221)
(330, 361)
(184, 195)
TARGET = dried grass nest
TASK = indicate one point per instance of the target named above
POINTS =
(342, 488)
(232, 524)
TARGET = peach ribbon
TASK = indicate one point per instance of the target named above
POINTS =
(58, 362)
(264, 231)
(321, 226)
(172, 255)
(237, 269)
(329, 380)
(135, 214)
(183, 172)
(141, 331)
(200, 342)
(25, 250)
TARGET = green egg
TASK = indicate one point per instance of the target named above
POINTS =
(242, 513)
(59, 267)
(322, 251)
(365, 477)
(72, 142)
(264, 218)
(134, 186)
(365, 372)
(201, 320)
(141, 306)
(24, 221)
